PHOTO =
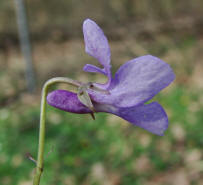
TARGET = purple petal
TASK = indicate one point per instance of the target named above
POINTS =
(93, 69)
(151, 117)
(96, 43)
(136, 82)
(67, 101)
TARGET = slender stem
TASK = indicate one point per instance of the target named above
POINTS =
(40, 158)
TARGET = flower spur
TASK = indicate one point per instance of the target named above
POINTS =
(125, 95)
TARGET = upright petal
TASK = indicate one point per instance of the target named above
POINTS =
(136, 82)
(96, 43)
(151, 117)
(67, 101)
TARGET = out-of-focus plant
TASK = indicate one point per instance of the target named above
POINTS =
(25, 43)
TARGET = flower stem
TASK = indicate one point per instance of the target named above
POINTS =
(40, 158)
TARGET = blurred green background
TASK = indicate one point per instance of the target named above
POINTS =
(108, 151)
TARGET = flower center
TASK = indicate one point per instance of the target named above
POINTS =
(84, 97)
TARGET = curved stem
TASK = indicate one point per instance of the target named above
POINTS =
(40, 158)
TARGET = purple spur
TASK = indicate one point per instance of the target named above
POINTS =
(125, 94)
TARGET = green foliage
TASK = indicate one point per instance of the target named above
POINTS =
(80, 150)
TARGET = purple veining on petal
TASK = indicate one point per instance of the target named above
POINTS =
(136, 82)
(67, 101)
(96, 45)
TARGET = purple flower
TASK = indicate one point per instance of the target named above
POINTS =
(124, 95)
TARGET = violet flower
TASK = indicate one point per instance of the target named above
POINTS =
(124, 95)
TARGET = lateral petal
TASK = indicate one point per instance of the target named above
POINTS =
(136, 82)
(93, 69)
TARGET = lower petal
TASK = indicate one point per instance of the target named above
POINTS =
(151, 117)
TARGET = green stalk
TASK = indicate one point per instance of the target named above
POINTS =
(40, 158)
